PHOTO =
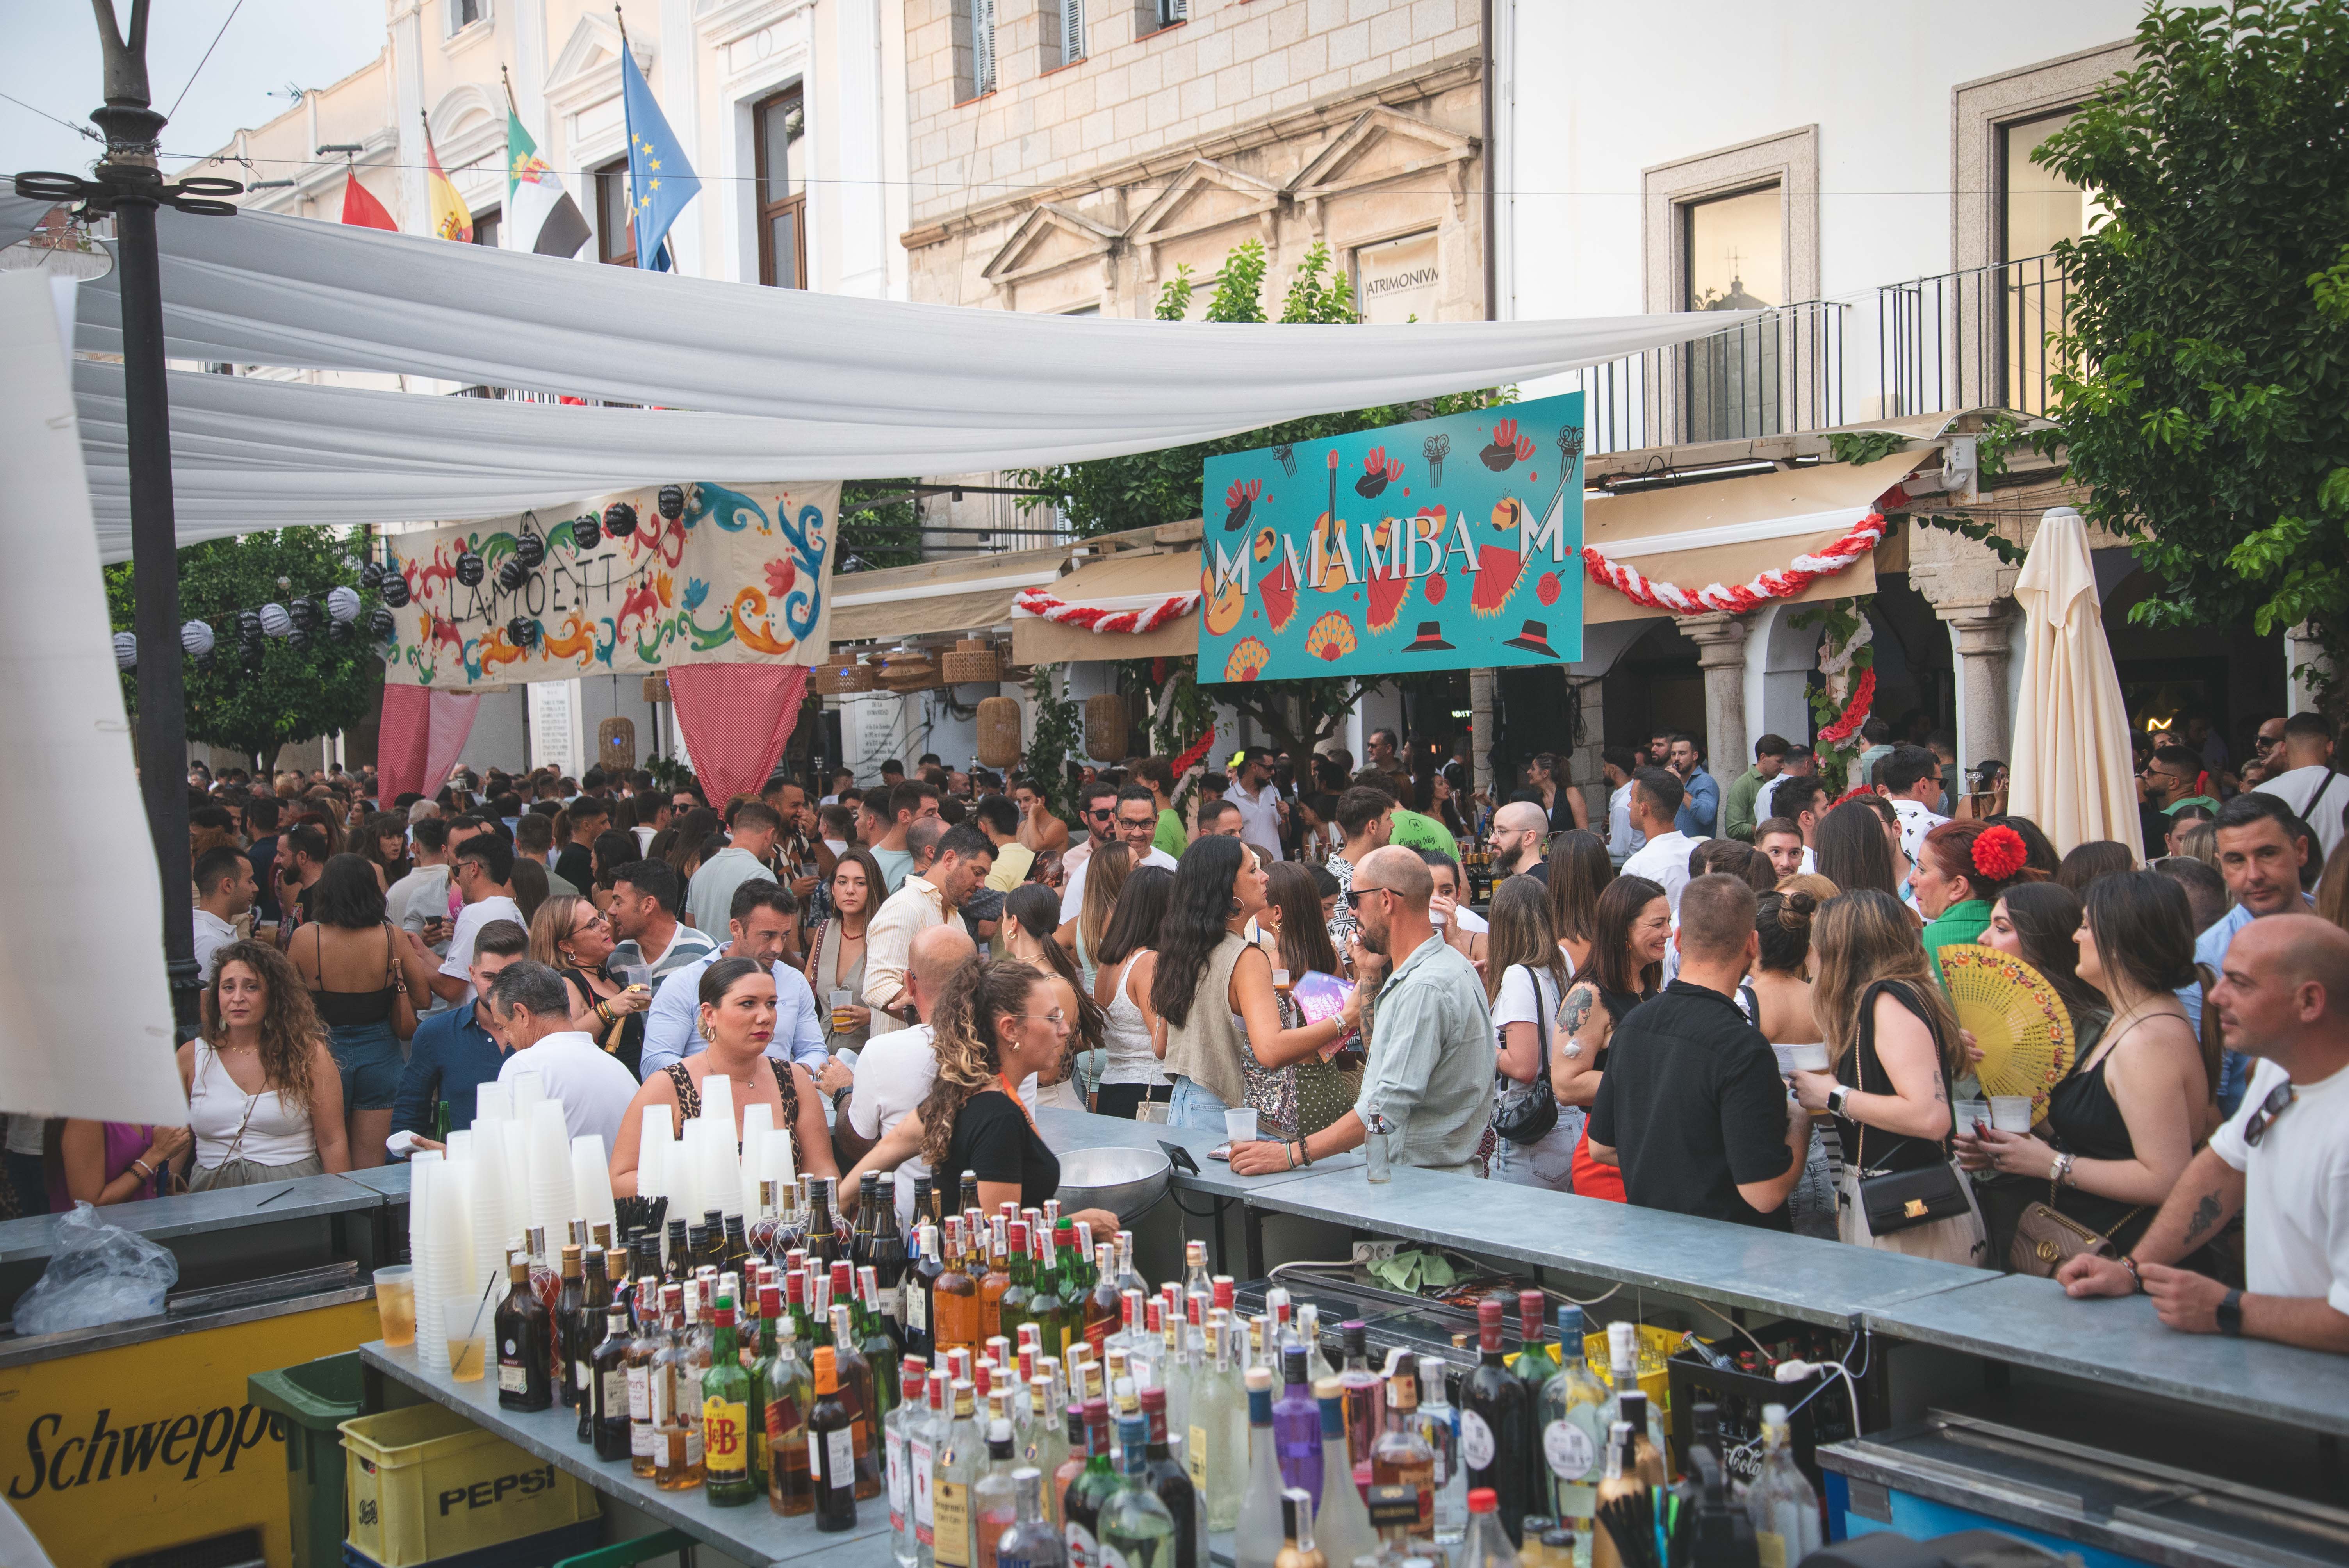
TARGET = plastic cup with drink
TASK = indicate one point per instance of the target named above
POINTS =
(395, 1303)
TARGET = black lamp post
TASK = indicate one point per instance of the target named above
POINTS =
(128, 184)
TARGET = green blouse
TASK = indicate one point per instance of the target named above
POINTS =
(1959, 923)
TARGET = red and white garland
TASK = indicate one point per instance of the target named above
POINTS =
(1799, 574)
(1102, 618)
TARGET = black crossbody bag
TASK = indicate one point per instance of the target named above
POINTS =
(1529, 1117)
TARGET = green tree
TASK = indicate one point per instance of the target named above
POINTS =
(296, 693)
(878, 525)
(2207, 336)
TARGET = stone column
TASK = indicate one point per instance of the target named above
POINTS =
(1978, 635)
(1720, 638)
(1480, 732)
(2303, 651)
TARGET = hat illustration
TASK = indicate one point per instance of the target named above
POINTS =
(1536, 637)
(1430, 639)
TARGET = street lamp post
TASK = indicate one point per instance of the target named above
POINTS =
(128, 184)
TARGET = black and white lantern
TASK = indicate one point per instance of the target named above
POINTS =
(672, 501)
(196, 639)
(620, 520)
(126, 650)
(469, 570)
(395, 590)
(343, 605)
(586, 533)
(276, 621)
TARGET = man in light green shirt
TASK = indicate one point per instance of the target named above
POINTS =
(1171, 836)
(1737, 806)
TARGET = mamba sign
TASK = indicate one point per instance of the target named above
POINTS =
(1446, 543)
(146, 1447)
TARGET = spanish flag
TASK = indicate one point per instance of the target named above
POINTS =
(451, 219)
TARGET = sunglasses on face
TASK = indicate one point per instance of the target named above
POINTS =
(1100, 816)
(2278, 1101)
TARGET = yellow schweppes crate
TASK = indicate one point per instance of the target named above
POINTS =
(425, 1483)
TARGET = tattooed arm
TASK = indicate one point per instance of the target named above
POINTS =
(2209, 1195)
(1583, 1028)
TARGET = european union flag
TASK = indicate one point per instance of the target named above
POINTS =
(660, 182)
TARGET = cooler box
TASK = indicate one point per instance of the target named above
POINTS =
(425, 1483)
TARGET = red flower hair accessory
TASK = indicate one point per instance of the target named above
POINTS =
(2000, 852)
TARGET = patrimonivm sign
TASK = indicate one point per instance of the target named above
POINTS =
(1446, 543)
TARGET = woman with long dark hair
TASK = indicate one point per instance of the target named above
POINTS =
(836, 960)
(1579, 872)
(1310, 1094)
(1893, 1050)
(2039, 923)
(264, 1093)
(1212, 991)
(1852, 851)
(2123, 1124)
(382, 842)
(1525, 982)
(367, 986)
(1630, 930)
(1131, 1074)
(1030, 914)
(1781, 983)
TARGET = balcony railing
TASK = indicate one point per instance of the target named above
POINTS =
(1973, 339)
(1777, 374)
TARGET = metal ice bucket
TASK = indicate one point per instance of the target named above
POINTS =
(1126, 1181)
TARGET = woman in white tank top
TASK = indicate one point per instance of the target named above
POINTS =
(264, 1097)
(1131, 1077)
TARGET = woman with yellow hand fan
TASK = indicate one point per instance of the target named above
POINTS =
(1961, 868)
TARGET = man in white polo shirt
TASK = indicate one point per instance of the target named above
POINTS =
(1257, 800)
(530, 1013)
(2281, 1162)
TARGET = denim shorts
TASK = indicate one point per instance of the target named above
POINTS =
(371, 1061)
(1195, 1106)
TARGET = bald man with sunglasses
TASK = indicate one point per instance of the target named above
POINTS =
(2281, 1162)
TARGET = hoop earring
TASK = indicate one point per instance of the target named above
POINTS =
(1234, 908)
(701, 1028)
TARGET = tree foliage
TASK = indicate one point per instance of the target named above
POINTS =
(2208, 338)
(879, 525)
(294, 693)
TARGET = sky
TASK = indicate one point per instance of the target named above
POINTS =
(53, 64)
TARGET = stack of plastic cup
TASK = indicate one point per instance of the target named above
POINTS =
(683, 1185)
(516, 1134)
(757, 1120)
(492, 1101)
(496, 1209)
(775, 1159)
(551, 1204)
(653, 1149)
(717, 1100)
(719, 1171)
(423, 1167)
(591, 1179)
(447, 1263)
(529, 1087)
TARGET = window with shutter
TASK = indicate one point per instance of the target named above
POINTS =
(1072, 31)
(1173, 11)
(982, 46)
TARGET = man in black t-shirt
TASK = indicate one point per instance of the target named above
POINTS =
(1692, 1107)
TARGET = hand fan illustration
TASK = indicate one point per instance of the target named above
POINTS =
(2017, 1020)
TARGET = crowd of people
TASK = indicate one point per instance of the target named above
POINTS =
(1723, 1000)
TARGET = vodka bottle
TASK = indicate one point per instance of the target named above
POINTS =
(1439, 1428)
(1780, 1502)
(1135, 1529)
(1255, 1543)
(1033, 1540)
(1340, 1523)
(1573, 1420)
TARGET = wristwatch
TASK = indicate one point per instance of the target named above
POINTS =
(2230, 1314)
(1835, 1097)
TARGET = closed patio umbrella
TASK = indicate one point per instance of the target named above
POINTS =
(2072, 772)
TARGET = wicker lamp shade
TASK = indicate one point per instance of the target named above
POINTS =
(974, 659)
(616, 744)
(843, 678)
(1107, 721)
(656, 686)
(911, 669)
(999, 731)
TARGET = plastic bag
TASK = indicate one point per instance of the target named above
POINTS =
(97, 1274)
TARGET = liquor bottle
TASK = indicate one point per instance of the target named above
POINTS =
(1486, 1544)
(569, 1298)
(1647, 1458)
(725, 1418)
(1365, 1403)
(832, 1451)
(1068, 1284)
(1621, 1481)
(1216, 1449)
(1080, 1507)
(1309, 1334)
(788, 1392)
(766, 1355)
(1137, 1529)
(954, 1297)
(1047, 1307)
(1104, 1309)
(995, 1280)
(992, 1509)
(968, 1205)
(545, 1282)
(1439, 1428)
(822, 1241)
(1015, 1306)
(760, 1232)
(961, 1460)
(1046, 1442)
(926, 1434)
(525, 1342)
(860, 1395)
(1297, 1427)
(1495, 1428)
(922, 1272)
(643, 1349)
(897, 1456)
(860, 1236)
(1033, 1540)
(890, 1256)
(878, 1339)
(693, 1365)
(1262, 1507)
(676, 1438)
(1127, 1337)
(579, 1338)
(1340, 1523)
(675, 1262)
(1172, 1483)
(1076, 1453)
(1536, 1362)
(1573, 1420)
(1623, 1375)
(1173, 1364)
(925, 1203)
(1298, 1549)
(1198, 1287)
(1402, 1457)
(737, 1245)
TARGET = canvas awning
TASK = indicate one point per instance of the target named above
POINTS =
(1726, 530)
(937, 598)
(1131, 581)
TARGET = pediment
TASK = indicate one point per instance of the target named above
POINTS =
(592, 53)
(466, 123)
(1049, 238)
(1382, 144)
(1206, 195)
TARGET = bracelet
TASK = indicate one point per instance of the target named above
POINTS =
(602, 1011)
(1305, 1150)
(2059, 1173)
(1289, 1154)
(2137, 1281)
(144, 1169)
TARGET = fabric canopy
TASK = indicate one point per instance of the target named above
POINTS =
(2073, 771)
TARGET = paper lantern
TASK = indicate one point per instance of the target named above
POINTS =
(616, 744)
(974, 660)
(248, 625)
(586, 533)
(523, 632)
(672, 501)
(395, 590)
(340, 631)
(511, 576)
(1107, 722)
(305, 612)
(656, 686)
(620, 520)
(530, 549)
(469, 569)
(196, 638)
(999, 731)
(380, 624)
(299, 637)
(274, 621)
(343, 603)
(371, 575)
(126, 650)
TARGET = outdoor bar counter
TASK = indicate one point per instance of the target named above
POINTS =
(1959, 1354)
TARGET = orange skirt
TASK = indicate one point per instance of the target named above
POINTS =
(1592, 1180)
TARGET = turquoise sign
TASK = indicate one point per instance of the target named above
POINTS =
(1446, 543)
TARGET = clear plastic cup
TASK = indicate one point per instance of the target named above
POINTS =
(395, 1303)
(2011, 1113)
(469, 1344)
(1969, 1112)
(842, 1000)
(1240, 1126)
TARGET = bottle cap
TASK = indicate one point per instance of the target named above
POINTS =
(1530, 1303)
(1259, 1379)
(1483, 1500)
(1223, 1288)
(1292, 1364)
(1356, 1336)
(1569, 1326)
(827, 1373)
(1328, 1389)
(1488, 1312)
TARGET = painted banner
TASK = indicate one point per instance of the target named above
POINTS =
(1444, 544)
(713, 576)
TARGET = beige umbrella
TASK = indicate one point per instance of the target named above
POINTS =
(2072, 772)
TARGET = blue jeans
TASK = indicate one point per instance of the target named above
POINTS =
(1195, 1107)
(370, 1060)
